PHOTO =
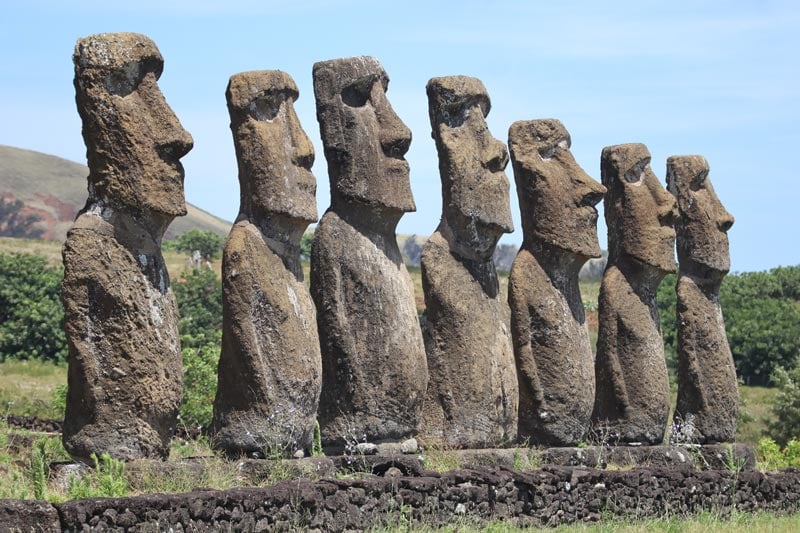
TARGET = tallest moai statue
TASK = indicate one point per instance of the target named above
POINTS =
(374, 372)
(125, 372)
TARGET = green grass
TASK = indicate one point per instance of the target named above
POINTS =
(736, 522)
(26, 387)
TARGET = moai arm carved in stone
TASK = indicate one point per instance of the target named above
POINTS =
(270, 370)
(708, 393)
(632, 398)
(374, 372)
(472, 396)
(555, 363)
(121, 320)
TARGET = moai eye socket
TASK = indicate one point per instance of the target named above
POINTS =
(636, 173)
(357, 93)
(268, 106)
(698, 181)
(124, 80)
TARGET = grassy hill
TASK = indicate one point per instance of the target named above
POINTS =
(54, 189)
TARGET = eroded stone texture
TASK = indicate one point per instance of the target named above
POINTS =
(632, 399)
(472, 397)
(708, 393)
(270, 371)
(373, 359)
(555, 362)
(125, 371)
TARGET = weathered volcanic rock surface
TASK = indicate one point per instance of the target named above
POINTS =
(125, 372)
(270, 369)
(373, 358)
(472, 396)
(555, 360)
(708, 392)
(632, 399)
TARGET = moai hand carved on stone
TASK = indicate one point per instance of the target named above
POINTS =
(632, 398)
(374, 373)
(270, 371)
(472, 396)
(125, 371)
(708, 393)
(555, 362)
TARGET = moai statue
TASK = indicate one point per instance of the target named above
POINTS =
(708, 394)
(373, 359)
(632, 398)
(125, 371)
(270, 371)
(471, 401)
(555, 361)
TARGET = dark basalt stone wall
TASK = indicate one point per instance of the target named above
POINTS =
(551, 496)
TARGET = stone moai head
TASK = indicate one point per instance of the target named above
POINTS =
(364, 140)
(274, 153)
(556, 197)
(471, 164)
(703, 223)
(134, 141)
(639, 212)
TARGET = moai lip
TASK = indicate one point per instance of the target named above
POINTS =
(554, 357)
(471, 401)
(632, 397)
(374, 373)
(708, 392)
(121, 320)
(270, 369)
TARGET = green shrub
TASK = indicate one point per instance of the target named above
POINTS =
(106, 481)
(31, 314)
(199, 296)
(772, 457)
(785, 423)
(200, 383)
(208, 243)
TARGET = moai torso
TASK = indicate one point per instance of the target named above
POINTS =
(472, 396)
(373, 357)
(632, 398)
(555, 362)
(270, 371)
(125, 372)
(708, 393)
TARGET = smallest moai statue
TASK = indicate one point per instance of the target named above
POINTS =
(270, 369)
(632, 398)
(708, 393)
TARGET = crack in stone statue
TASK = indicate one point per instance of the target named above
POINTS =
(374, 373)
(555, 361)
(472, 397)
(708, 393)
(632, 398)
(270, 367)
(125, 371)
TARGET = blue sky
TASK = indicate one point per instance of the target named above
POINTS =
(721, 79)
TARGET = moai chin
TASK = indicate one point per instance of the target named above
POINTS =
(121, 320)
(373, 359)
(632, 398)
(708, 393)
(471, 401)
(270, 371)
(555, 361)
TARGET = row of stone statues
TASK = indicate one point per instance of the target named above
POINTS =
(351, 353)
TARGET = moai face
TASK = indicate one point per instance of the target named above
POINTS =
(274, 153)
(471, 163)
(365, 141)
(134, 141)
(556, 197)
(703, 222)
(639, 212)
